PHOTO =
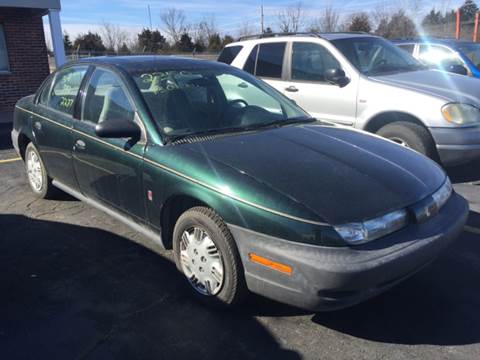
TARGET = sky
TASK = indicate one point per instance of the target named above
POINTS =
(80, 16)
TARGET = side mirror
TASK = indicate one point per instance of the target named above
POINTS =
(457, 69)
(118, 128)
(336, 77)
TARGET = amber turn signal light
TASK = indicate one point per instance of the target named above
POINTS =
(270, 264)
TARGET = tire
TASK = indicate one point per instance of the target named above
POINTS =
(411, 135)
(44, 188)
(233, 289)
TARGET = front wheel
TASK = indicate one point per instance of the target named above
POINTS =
(411, 135)
(206, 254)
(37, 176)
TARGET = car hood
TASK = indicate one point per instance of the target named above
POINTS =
(341, 175)
(450, 87)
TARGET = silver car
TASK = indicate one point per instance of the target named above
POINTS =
(364, 81)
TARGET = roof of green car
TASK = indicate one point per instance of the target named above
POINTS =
(136, 63)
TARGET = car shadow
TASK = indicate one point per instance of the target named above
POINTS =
(469, 172)
(71, 291)
(438, 306)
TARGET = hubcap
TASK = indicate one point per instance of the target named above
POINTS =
(201, 261)
(400, 141)
(34, 171)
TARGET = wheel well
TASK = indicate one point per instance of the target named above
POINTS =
(377, 122)
(23, 141)
(171, 211)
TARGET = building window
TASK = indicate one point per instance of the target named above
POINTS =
(3, 51)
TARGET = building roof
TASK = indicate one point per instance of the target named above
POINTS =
(31, 4)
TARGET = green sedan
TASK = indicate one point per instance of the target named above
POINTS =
(250, 192)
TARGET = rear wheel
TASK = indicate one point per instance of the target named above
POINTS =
(37, 176)
(410, 135)
(206, 254)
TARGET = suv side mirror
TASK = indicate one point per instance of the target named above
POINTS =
(118, 128)
(336, 77)
(457, 69)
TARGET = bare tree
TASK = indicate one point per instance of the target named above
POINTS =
(328, 21)
(291, 19)
(174, 21)
(205, 30)
(246, 29)
(113, 36)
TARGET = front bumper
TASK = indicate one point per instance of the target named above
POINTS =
(328, 278)
(457, 145)
(14, 136)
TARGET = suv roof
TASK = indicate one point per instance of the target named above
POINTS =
(327, 36)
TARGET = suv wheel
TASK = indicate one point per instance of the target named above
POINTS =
(206, 254)
(410, 135)
(37, 175)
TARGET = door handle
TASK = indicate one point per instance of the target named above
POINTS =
(80, 144)
(37, 125)
(291, 88)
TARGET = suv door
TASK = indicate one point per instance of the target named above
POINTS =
(266, 61)
(109, 170)
(307, 85)
(52, 125)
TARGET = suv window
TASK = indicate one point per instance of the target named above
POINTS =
(251, 61)
(229, 54)
(438, 55)
(65, 89)
(270, 60)
(407, 47)
(106, 99)
(310, 61)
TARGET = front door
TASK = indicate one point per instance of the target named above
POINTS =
(109, 170)
(306, 85)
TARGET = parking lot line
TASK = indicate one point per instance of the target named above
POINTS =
(10, 160)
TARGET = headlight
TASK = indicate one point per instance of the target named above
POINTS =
(461, 114)
(361, 232)
(441, 196)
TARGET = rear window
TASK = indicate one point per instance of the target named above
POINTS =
(229, 54)
(270, 60)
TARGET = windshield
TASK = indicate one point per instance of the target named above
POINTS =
(376, 56)
(472, 52)
(192, 102)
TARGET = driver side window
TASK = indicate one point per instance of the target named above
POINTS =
(106, 99)
(310, 61)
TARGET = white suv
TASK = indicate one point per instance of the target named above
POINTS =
(364, 81)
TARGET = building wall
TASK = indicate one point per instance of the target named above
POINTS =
(27, 54)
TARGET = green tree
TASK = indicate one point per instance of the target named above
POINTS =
(468, 10)
(185, 43)
(67, 43)
(151, 41)
(124, 49)
(360, 22)
(227, 39)
(215, 42)
(89, 42)
(433, 18)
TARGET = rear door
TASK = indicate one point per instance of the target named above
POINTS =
(109, 170)
(267, 62)
(306, 84)
(53, 122)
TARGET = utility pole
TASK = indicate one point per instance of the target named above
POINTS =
(149, 16)
(261, 11)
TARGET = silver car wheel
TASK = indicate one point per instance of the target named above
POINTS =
(201, 261)
(34, 171)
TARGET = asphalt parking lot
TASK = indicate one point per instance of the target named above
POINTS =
(74, 286)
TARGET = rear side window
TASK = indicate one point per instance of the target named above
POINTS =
(65, 88)
(229, 54)
(407, 47)
(270, 60)
(45, 94)
(251, 61)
